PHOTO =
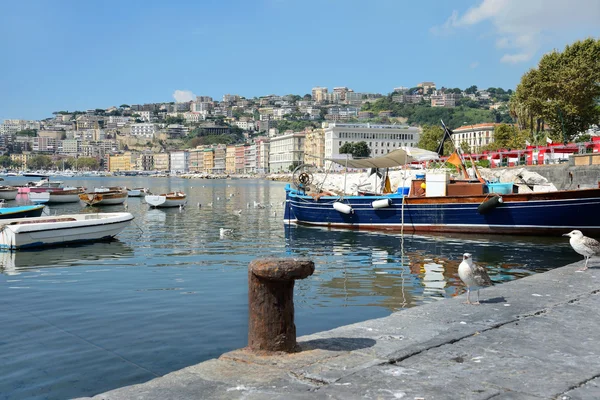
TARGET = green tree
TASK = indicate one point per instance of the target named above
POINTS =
(27, 132)
(124, 106)
(358, 150)
(430, 138)
(563, 91)
(39, 162)
(471, 90)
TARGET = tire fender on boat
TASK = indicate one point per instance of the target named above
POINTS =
(489, 204)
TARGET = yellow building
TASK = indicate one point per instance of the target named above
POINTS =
(314, 147)
(21, 159)
(122, 162)
(162, 162)
(209, 160)
(230, 159)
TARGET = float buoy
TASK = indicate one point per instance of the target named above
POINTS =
(489, 204)
(382, 203)
(343, 208)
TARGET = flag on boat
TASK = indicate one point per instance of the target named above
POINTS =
(548, 140)
(447, 135)
(454, 159)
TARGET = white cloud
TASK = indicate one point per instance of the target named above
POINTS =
(522, 26)
(183, 96)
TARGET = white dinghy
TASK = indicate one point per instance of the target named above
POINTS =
(176, 199)
(25, 233)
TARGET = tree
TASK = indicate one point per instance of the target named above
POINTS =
(39, 162)
(27, 132)
(124, 106)
(562, 91)
(358, 150)
(471, 90)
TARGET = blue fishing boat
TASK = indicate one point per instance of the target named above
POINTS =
(434, 202)
(21, 211)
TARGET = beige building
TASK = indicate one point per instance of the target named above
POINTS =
(162, 162)
(314, 147)
(230, 159)
(319, 94)
(209, 160)
(476, 136)
(122, 162)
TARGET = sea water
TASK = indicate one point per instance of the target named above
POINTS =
(171, 292)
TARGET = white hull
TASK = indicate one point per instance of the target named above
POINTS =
(9, 194)
(166, 200)
(46, 231)
(134, 193)
(53, 197)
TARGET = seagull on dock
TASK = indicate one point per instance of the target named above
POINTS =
(583, 245)
(473, 276)
(238, 212)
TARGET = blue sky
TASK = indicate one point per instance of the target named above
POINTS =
(75, 55)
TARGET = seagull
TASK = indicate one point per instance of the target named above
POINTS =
(199, 205)
(472, 276)
(238, 212)
(181, 207)
(223, 232)
(583, 245)
(126, 206)
(209, 204)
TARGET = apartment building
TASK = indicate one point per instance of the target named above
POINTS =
(314, 147)
(381, 139)
(21, 159)
(71, 146)
(179, 162)
(230, 159)
(144, 130)
(263, 146)
(122, 162)
(43, 144)
(439, 99)
(476, 136)
(286, 152)
(162, 162)
(250, 159)
(240, 158)
(220, 159)
(209, 160)
(319, 94)
(196, 160)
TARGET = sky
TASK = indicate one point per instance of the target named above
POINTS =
(78, 55)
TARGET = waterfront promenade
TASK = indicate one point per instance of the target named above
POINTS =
(534, 338)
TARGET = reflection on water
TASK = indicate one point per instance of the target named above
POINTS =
(170, 292)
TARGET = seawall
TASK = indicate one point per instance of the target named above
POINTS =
(534, 338)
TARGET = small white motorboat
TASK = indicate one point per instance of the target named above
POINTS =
(175, 199)
(138, 192)
(22, 233)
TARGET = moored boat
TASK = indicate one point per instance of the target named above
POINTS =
(21, 211)
(25, 233)
(137, 192)
(8, 192)
(107, 198)
(175, 199)
(56, 196)
(437, 203)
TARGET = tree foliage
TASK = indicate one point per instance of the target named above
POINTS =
(27, 132)
(39, 162)
(563, 91)
(358, 150)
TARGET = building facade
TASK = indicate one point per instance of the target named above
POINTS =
(475, 136)
(179, 162)
(286, 152)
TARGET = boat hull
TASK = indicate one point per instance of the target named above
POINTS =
(59, 230)
(103, 199)
(527, 214)
(21, 211)
(163, 201)
(9, 194)
(66, 196)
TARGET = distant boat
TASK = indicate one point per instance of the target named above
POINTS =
(104, 198)
(35, 175)
(21, 211)
(8, 192)
(26, 233)
(175, 199)
(137, 192)
(56, 196)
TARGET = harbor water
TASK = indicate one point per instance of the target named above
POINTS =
(171, 292)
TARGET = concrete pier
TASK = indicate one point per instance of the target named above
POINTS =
(534, 338)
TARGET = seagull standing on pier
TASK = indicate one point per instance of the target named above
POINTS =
(473, 276)
(583, 245)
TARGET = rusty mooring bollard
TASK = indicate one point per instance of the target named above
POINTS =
(271, 302)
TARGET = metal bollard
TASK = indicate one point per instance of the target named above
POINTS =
(271, 302)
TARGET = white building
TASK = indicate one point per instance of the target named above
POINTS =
(475, 136)
(286, 151)
(143, 130)
(179, 161)
(381, 139)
